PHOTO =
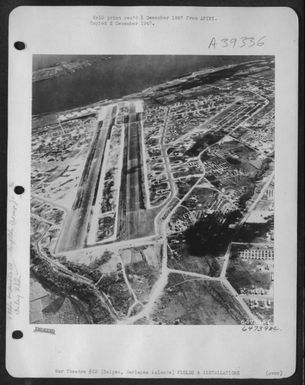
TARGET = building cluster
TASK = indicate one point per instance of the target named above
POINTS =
(257, 291)
(57, 155)
(184, 185)
(236, 170)
(188, 114)
(57, 143)
(265, 303)
(192, 167)
(183, 159)
(201, 199)
(105, 229)
(181, 163)
(252, 274)
(46, 221)
(181, 220)
(200, 203)
(154, 121)
(258, 84)
(259, 134)
(229, 109)
(269, 194)
(217, 167)
(245, 107)
(257, 254)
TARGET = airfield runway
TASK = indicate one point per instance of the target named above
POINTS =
(74, 233)
(134, 218)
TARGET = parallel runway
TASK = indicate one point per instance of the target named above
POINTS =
(134, 219)
(135, 197)
(75, 229)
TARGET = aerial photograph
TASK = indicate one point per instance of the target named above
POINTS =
(152, 190)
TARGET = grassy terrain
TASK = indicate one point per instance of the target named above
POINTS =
(193, 301)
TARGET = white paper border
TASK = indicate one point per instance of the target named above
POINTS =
(65, 30)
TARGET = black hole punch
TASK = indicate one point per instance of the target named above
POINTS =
(19, 190)
(19, 45)
(17, 334)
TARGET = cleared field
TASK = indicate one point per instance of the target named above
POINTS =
(48, 308)
(201, 199)
(180, 258)
(142, 277)
(248, 275)
(194, 301)
(140, 223)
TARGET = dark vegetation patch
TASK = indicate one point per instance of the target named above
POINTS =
(210, 235)
(57, 280)
(251, 231)
(205, 141)
(233, 160)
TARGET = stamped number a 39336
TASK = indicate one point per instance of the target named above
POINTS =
(234, 42)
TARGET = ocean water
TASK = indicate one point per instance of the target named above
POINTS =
(113, 78)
